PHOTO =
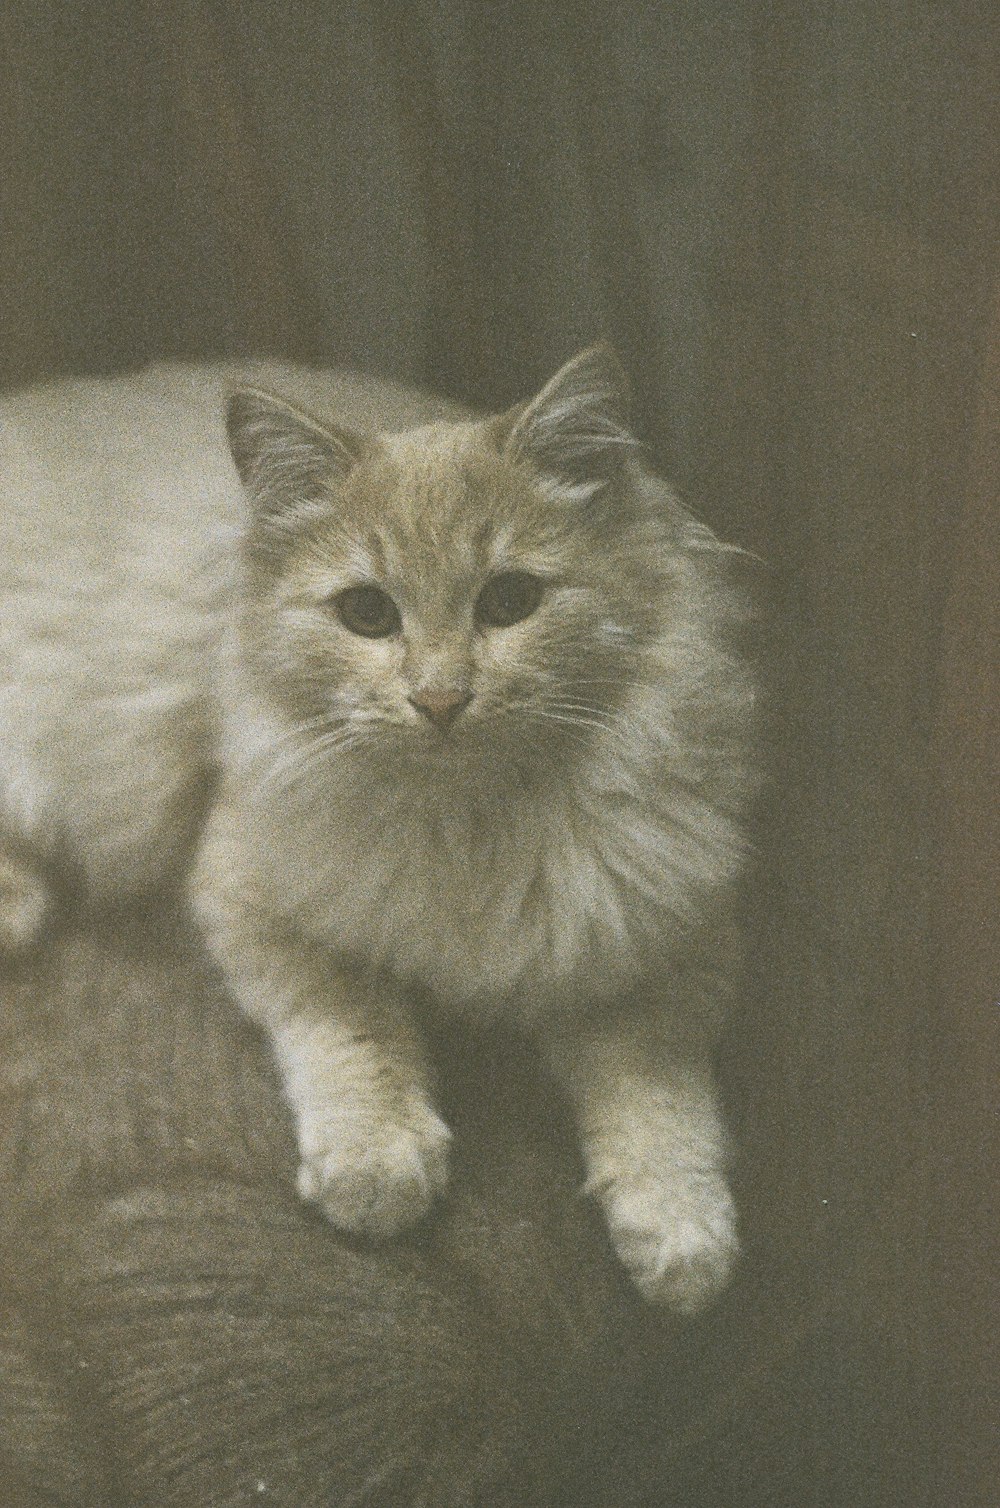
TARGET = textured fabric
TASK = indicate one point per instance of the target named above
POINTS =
(177, 1327)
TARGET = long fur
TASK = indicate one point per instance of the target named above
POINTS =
(565, 860)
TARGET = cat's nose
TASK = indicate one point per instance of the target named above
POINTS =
(440, 707)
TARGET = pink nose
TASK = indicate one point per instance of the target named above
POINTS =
(440, 707)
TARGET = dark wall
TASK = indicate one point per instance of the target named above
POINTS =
(786, 219)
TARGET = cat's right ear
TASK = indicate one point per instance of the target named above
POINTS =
(287, 461)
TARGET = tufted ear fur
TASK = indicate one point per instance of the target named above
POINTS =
(576, 431)
(287, 461)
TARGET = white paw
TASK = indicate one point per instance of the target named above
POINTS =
(375, 1177)
(675, 1234)
(24, 900)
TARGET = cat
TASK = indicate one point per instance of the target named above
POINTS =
(482, 740)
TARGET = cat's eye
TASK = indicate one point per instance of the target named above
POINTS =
(507, 598)
(368, 611)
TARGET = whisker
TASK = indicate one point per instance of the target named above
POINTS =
(299, 761)
(309, 725)
(573, 704)
(575, 721)
(581, 718)
(570, 730)
(579, 682)
(585, 704)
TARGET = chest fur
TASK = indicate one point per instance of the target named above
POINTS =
(515, 908)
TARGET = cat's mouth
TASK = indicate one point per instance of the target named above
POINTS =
(446, 737)
(440, 709)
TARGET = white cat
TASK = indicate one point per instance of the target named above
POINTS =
(483, 744)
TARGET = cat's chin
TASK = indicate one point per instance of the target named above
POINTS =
(457, 748)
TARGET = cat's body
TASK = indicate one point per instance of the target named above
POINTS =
(509, 781)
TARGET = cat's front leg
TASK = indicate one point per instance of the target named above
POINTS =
(373, 1150)
(655, 1155)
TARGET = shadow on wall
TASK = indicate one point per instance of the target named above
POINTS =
(432, 193)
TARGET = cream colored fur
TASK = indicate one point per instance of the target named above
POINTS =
(563, 857)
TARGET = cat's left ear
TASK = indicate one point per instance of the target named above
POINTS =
(285, 458)
(576, 432)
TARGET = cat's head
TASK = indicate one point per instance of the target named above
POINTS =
(457, 590)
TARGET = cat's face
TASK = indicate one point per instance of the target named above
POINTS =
(459, 590)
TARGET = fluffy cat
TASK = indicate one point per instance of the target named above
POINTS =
(482, 743)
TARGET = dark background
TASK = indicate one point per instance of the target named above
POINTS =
(785, 217)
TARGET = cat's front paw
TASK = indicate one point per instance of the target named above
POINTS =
(675, 1233)
(375, 1176)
